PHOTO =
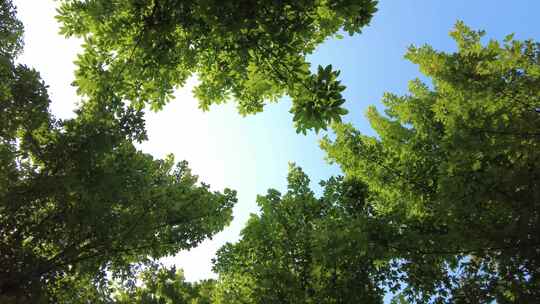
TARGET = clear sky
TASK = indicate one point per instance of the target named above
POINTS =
(251, 154)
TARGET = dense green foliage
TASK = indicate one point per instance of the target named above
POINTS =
(10, 31)
(161, 285)
(303, 249)
(456, 163)
(249, 51)
(77, 199)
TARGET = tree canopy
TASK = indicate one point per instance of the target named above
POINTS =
(249, 51)
(161, 285)
(303, 249)
(457, 161)
(441, 206)
(78, 201)
(11, 30)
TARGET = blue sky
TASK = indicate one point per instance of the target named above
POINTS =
(251, 154)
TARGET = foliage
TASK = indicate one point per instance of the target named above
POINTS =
(234, 288)
(11, 30)
(252, 51)
(456, 163)
(302, 249)
(161, 285)
(78, 201)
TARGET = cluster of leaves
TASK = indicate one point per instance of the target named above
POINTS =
(78, 201)
(252, 51)
(459, 159)
(319, 103)
(161, 285)
(11, 30)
